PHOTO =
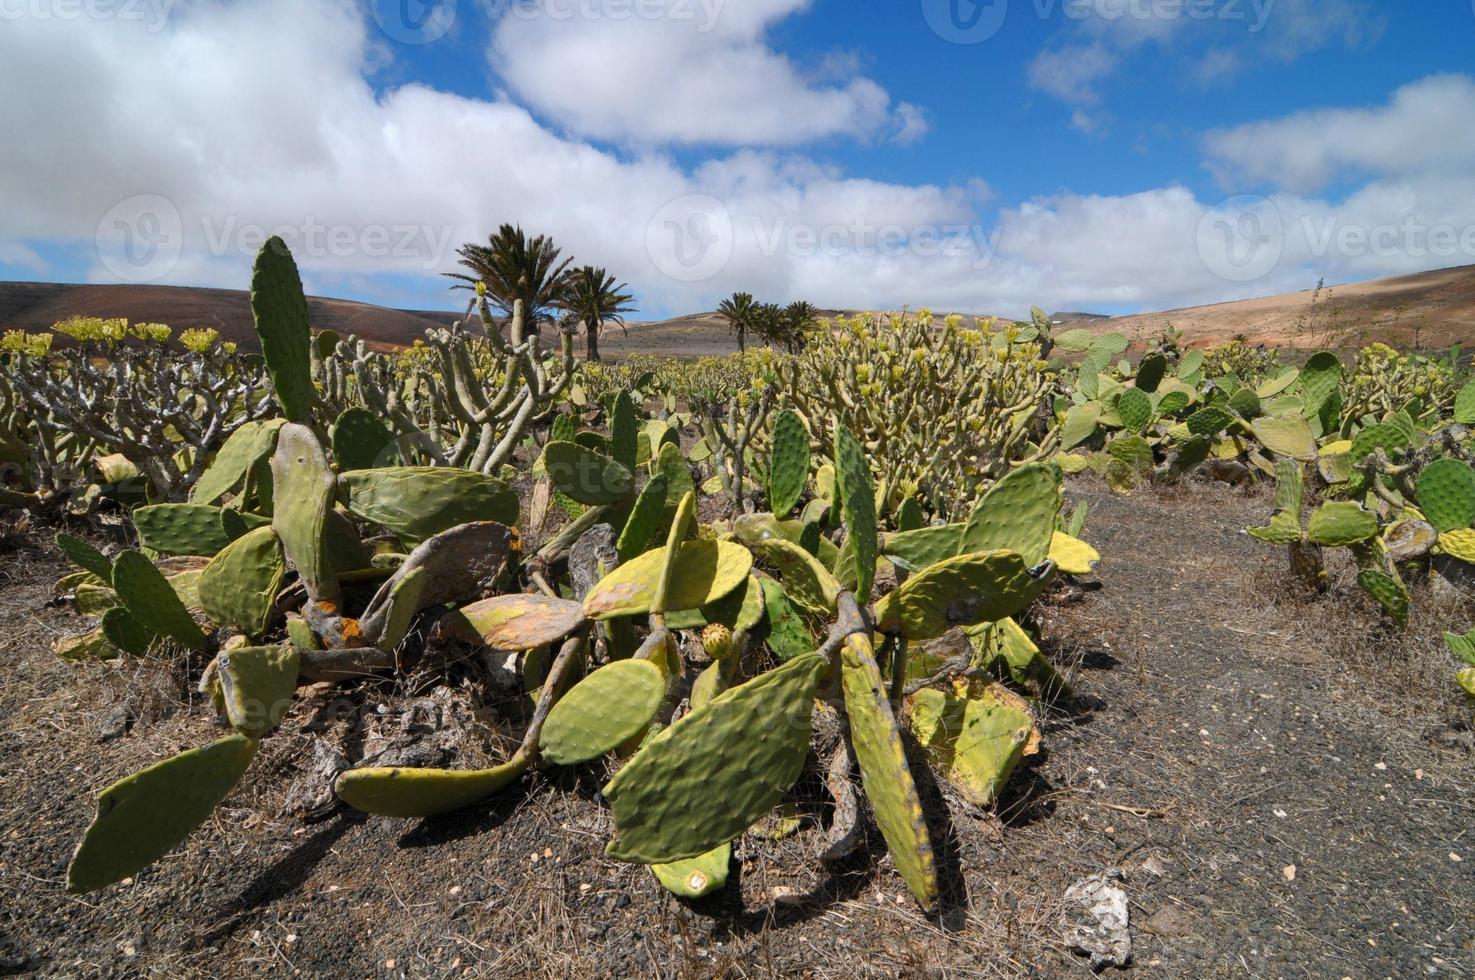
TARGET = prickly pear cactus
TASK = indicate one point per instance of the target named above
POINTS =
(884, 771)
(603, 711)
(304, 496)
(152, 602)
(704, 572)
(974, 588)
(146, 815)
(418, 502)
(247, 447)
(280, 310)
(419, 793)
(789, 462)
(1018, 513)
(1447, 494)
(585, 475)
(239, 587)
(858, 503)
(361, 440)
(256, 686)
(710, 776)
(182, 529)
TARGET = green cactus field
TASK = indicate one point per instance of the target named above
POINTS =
(474, 657)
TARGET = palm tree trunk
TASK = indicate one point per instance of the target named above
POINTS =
(591, 340)
(742, 341)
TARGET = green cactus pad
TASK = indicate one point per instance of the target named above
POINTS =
(587, 476)
(181, 529)
(858, 503)
(1071, 555)
(1465, 405)
(1019, 513)
(249, 445)
(740, 609)
(1447, 494)
(603, 711)
(1383, 436)
(913, 551)
(704, 572)
(1319, 381)
(709, 683)
(280, 310)
(975, 736)
(1286, 437)
(418, 502)
(1151, 371)
(975, 588)
(1391, 594)
(645, 521)
(1209, 420)
(624, 431)
(152, 601)
(85, 556)
(257, 685)
(1246, 404)
(361, 440)
(125, 632)
(1008, 652)
(1173, 402)
(909, 516)
(1079, 425)
(682, 527)
(696, 877)
(788, 469)
(407, 597)
(418, 793)
(884, 771)
(514, 622)
(1135, 409)
(788, 636)
(1284, 528)
(239, 587)
(1341, 524)
(674, 467)
(304, 488)
(1462, 646)
(1133, 452)
(1290, 486)
(93, 645)
(719, 769)
(806, 580)
(146, 815)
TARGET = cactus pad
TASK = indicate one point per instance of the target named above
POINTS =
(624, 432)
(1447, 494)
(1006, 650)
(806, 581)
(884, 771)
(788, 636)
(246, 447)
(239, 587)
(788, 469)
(977, 588)
(1135, 409)
(181, 529)
(603, 711)
(915, 550)
(144, 816)
(1320, 378)
(1151, 371)
(696, 877)
(123, 631)
(418, 502)
(1209, 420)
(645, 520)
(975, 736)
(361, 440)
(1284, 528)
(1409, 539)
(257, 685)
(514, 622)
(858, 503)
(1019, 513)
(585, 475)
(705, 571)
(1382, 436)
(303, 496)
(1391, 594)
(85, 556)
(1462, 646)
(1072, 555)
(1465, 405)
(152, 601)
(280, 310)
(1079, 425)
(1341, 524)
(1459, 544)
(1286, 437)
(712, 774)
(415, 793)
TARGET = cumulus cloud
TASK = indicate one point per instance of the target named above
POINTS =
(1424, 127)
(687, 72)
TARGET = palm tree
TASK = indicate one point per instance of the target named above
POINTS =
(742, 315)
(800, 318)
(595, 299)
(515, 267)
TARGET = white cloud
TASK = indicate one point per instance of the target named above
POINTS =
(1071, 74)
(1425, 126)
(383, 185)
(688, 73)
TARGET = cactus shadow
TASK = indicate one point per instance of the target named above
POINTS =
(952, 885)
(1028, 798)
(280, 879)
(461, 825)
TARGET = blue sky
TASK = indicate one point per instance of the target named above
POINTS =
(1112, 155)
